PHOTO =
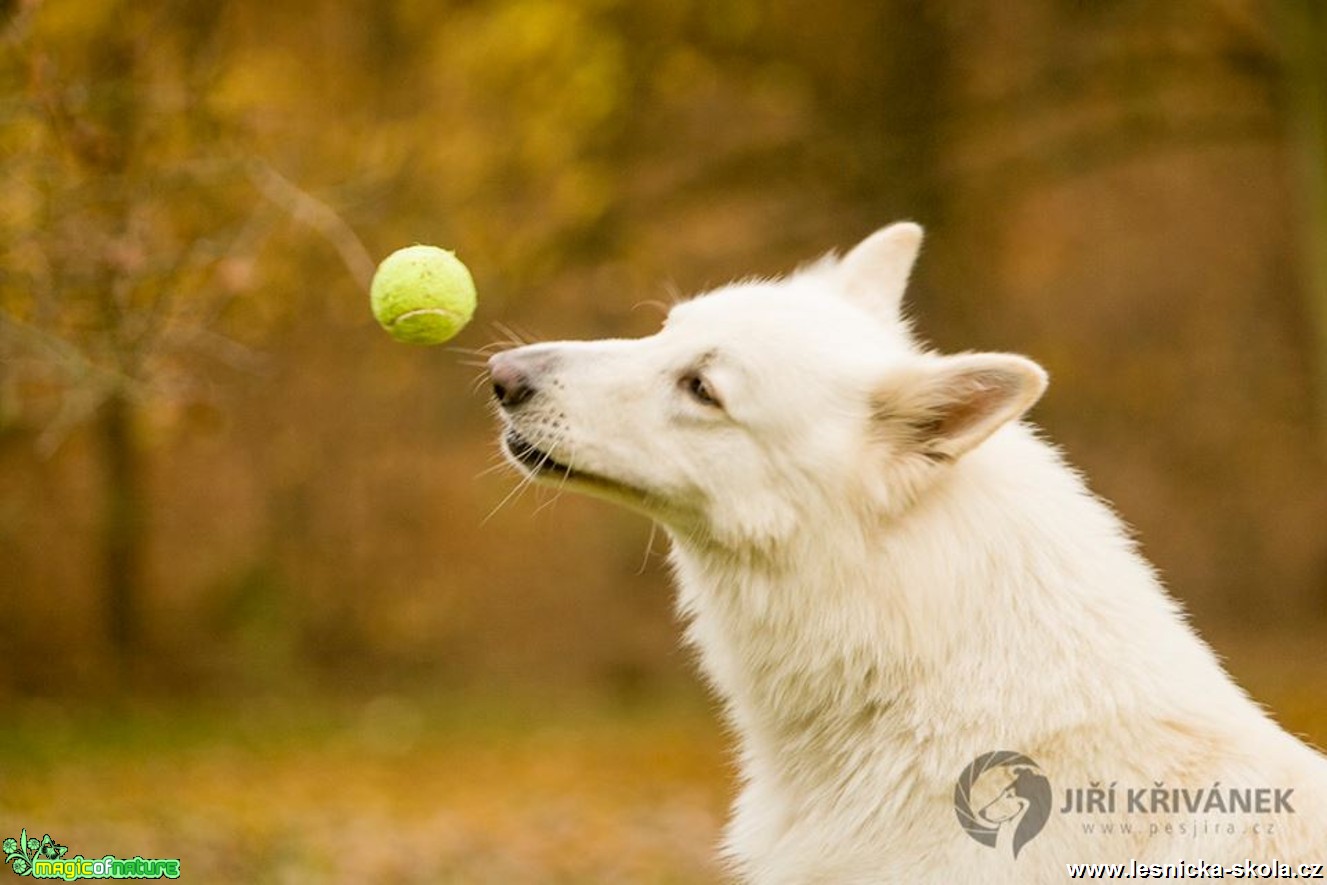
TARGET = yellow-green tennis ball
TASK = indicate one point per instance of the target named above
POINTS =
(422, 295)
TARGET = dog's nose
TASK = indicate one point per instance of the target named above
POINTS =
(511, 383)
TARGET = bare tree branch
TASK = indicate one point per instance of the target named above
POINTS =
(308, 209)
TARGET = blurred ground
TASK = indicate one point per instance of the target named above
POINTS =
(432, 790)
(389, 790)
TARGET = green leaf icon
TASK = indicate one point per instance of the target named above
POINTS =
(50, 850)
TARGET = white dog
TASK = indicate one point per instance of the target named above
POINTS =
(903, 596)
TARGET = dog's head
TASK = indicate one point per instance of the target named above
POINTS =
(761, 407)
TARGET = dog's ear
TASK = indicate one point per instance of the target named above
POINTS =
(875, 272)
(946, 406)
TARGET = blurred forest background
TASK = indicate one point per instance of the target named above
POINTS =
(221, 482)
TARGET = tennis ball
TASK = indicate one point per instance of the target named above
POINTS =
(422, 295)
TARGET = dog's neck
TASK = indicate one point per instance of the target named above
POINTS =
(809, 649)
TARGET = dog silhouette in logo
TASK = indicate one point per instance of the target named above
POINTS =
(1019, 811)
(1002, 800)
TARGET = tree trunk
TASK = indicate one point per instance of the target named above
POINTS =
(124, 526)
(1304, 32)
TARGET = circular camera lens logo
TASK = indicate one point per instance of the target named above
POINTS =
(1002, 800)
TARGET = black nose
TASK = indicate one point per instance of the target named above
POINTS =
(511, 385)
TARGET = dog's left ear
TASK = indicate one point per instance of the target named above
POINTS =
(875, 272)
(949, 405)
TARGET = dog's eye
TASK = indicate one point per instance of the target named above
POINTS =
(696, 385)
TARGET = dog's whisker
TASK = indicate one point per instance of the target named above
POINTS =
(474, 364)
(562, 483)
(494, 468)
(512, 495)
(557, 495)
(505, 342)
(510, 333)
(551, 501)
(649, 548)
(655, 303)
(478, 383)
(527, 335)
(525, 482)
(486, 350)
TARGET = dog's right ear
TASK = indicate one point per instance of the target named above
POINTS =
(875, 272)
(946, 406)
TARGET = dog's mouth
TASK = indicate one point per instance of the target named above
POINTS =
(543, 466)
(535, 459)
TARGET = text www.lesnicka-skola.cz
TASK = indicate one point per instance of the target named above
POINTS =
(1197, 869)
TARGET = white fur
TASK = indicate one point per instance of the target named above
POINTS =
(886, 574)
